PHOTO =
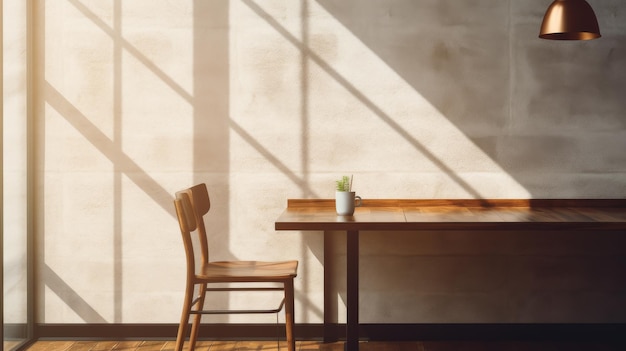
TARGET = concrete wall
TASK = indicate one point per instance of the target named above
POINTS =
(269, 100)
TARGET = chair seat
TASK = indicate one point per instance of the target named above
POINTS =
(237, 271)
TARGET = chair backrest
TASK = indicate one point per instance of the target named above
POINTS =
(191, 206)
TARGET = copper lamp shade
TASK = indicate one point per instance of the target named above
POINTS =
(570, 20)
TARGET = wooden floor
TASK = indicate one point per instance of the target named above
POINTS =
(315, 346)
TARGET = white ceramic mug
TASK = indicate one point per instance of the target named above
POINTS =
(345, 201)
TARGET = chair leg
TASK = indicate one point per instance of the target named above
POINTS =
(195, 326)
(289, 315)
(184, 319)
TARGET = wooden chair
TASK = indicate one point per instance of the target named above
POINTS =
(191, 205)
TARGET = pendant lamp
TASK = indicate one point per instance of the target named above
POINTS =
(569, 20)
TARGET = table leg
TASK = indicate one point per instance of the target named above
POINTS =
(352, 303)
(330, 290)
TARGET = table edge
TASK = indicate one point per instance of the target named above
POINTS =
(485, 203)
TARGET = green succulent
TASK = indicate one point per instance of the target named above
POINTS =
(343, 184)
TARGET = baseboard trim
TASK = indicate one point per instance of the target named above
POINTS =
(209, 331)
(372, 332)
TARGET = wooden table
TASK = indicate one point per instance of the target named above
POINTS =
(466, 215)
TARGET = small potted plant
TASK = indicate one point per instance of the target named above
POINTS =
(344, 184)
(345, 198)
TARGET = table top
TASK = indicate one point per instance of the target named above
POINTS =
(514, 214)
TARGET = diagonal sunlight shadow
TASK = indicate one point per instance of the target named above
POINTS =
(133, 51)
(182, 92)
(270, 157)
(107, 147)
(362, 98)
(70, 297)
